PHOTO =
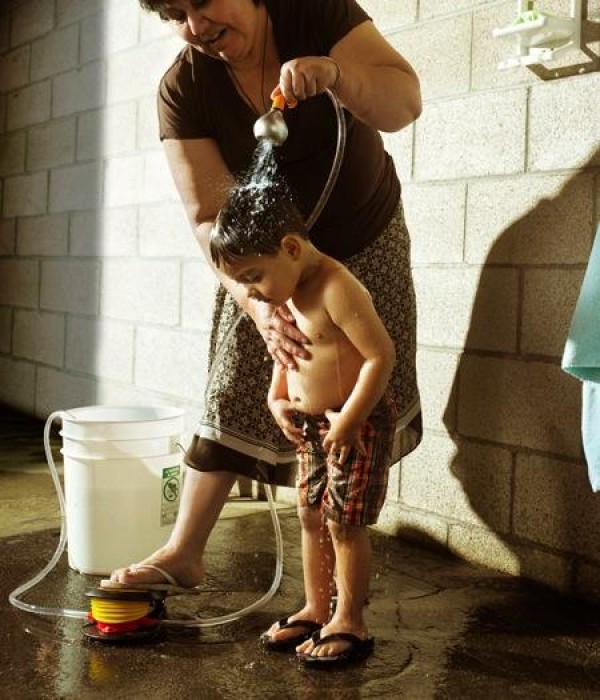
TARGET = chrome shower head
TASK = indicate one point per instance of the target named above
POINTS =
(271, 127)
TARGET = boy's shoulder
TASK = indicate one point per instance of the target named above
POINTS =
(336, 276)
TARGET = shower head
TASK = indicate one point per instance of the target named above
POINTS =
(271, 126)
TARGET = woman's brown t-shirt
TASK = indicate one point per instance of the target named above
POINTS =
(197, 99)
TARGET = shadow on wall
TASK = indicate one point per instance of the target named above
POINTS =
(514, 415)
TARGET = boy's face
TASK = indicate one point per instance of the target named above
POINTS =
(269, 278)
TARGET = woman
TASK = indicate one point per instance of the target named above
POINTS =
(236, 52)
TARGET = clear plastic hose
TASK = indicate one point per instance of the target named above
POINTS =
(14, 597)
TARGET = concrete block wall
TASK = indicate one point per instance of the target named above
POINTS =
(103, 292)
(104, 296)
(502, 194)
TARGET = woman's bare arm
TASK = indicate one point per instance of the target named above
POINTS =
(374, 82)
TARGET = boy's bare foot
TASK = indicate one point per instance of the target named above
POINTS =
(187, 573)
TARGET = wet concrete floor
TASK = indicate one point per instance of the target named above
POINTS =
(443, 628)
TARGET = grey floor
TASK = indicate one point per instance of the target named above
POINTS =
(443, 628)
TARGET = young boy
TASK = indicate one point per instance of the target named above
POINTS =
(333, 407)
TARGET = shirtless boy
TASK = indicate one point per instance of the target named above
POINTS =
(332, 406)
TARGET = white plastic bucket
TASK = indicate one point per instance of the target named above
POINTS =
(122, 494)
(121, 422)
(120, 449)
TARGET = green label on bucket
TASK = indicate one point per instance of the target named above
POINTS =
(171, 487)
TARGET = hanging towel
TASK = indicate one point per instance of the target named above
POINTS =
(581, 358)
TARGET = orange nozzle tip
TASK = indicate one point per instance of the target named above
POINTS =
(278, 102)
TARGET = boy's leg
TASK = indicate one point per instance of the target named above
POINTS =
(352, 548)
(317, 549)
(353, 499)
(317, 566)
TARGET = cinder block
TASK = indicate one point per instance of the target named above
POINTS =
(6, 324)
(543, 219)
(548, 568)
(147, 123)
(76, 188)
(29, 105)
(69, 11)
(389, 14)
(51, 145)
(4, 31)
(158, 185)
(435, 8)
(152, 27)
(43, 235)
(55, 53)
(435, 215)
(8, 236)
(58, 390)
(555, 505)
(100, 348)
(14, 69)
(136, 73)
(484, 547)
(450, 142)
(105, 232)
(25, 195)
(165, 231)
(415, 526)
(3, 102)
(587, 581)
(106, 132)
(78, 90)
(40, 337)
(12, 153)
(564, 124)
(93, 39)
(70, 285)
(123, 180)
(437, 375)
(549, 298)
(17, 384)
(30, 20)
(199, 284)
(121, 27)
(141, 291)
(481, 305)
(459, 481)
(440, 52)
(399, 145)
(512, 402)
(172, 362)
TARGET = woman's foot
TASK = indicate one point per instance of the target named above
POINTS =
(186, 573)
(335, 647)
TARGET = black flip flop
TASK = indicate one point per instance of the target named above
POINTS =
(358, 650)
(308, 626)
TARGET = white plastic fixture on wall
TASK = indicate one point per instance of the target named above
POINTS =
(539, 36)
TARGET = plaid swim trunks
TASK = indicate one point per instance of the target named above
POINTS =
(352, 493)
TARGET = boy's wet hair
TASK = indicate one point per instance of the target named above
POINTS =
(253, 221)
